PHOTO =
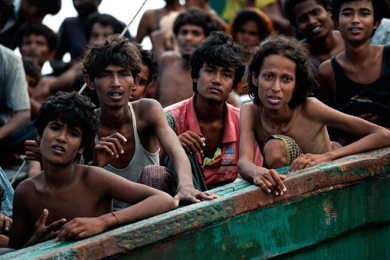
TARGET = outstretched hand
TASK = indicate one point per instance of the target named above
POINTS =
(191, 195)
(80, 228)
(269, 181)
(43, 232)
(108, 149)
(5, 221)
(308, 160)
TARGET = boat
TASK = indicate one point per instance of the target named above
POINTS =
(337, 210)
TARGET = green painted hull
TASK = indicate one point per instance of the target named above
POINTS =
(332, 211)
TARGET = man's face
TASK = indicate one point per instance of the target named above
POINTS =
(100, 33)
(356, 20)
(247, 34)
(60, 143)
(113, 86)
(85, 7)
(138, 91)
(36, 47)
(313, 20)
(276, 82)
(188, 37)
(214, 82)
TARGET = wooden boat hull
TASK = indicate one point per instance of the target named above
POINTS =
(338, 210)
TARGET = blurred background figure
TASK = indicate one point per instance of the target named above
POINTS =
(25, 10)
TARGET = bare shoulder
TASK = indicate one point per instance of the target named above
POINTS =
(325, 69)
(249, 114)
(312, 107)
(147, 108)
(249, 109)
(26, 188)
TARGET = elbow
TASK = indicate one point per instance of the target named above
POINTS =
(385, 140)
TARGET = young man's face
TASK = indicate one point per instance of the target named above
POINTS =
(113, 85)
(247, 34)
(188, 37)
(313, 20)
(100, 33)
(138, 91)
(276, 81)
(214, 82)
(356, 20)
(85, 7)
(60, 143)
(36, 47)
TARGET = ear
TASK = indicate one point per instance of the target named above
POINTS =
(81, 150)
(195, 80)
(254, 79)
(38, 139)
(336, 24)
(376, 24)
(295, 88)
(89, 82)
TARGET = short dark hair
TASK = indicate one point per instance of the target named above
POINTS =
(220, 50)
(291, 49)
(115, 49)
(104, 20)
(37, 28)
(198, 17)
(7, 10)
(289, 9)
(74, 109)
(32, 68)
(249, 15)
(379, 6)
(47, 6)
(149, 61)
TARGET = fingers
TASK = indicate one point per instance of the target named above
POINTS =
(205, 196)
(271, 181)
(57, 225)
(280, 185)
(365, 116)
(42, 219)
(8, 223)
(191, 142)
(211, 194)
(118, 136)
(299, 163)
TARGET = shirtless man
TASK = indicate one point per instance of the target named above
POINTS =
(289, 127)
(147, 75)
(78, 197)
(362, 71)
(129, 132)
(174, 82)
(313, 20)
(206, 125)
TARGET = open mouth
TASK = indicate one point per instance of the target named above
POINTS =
(316, 29)
(116, 95)
(355, 30)
(58, 148)
(274, 100)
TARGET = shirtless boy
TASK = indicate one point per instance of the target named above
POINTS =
(362, 71)
(289, 127)
(148, 73)
(128, 134)
(78, 197)
(206, 125)
(313, 20)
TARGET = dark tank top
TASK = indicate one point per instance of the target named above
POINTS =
(377, 91)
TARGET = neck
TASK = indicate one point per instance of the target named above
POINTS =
(114, 118)
(207, 111)
(173, 5)
(324, 45)
(201, 4)
(185, 64)
(278, 118)
(356, 52)
(58, 176)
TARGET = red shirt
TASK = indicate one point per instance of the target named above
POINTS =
(223, 169)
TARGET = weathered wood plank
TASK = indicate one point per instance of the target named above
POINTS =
(274, 225)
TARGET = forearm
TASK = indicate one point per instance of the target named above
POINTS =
(182, 166)
(246, 168)
(372, 141)
(21, 118)
(151, 206)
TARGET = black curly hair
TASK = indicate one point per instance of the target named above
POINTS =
(195, 16)
(220, 50)
(289, 9)
(379, 6)
(115, 50)
(291, 49)
(74, 109)
(37, 28)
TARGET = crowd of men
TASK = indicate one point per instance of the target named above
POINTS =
(264, 86)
